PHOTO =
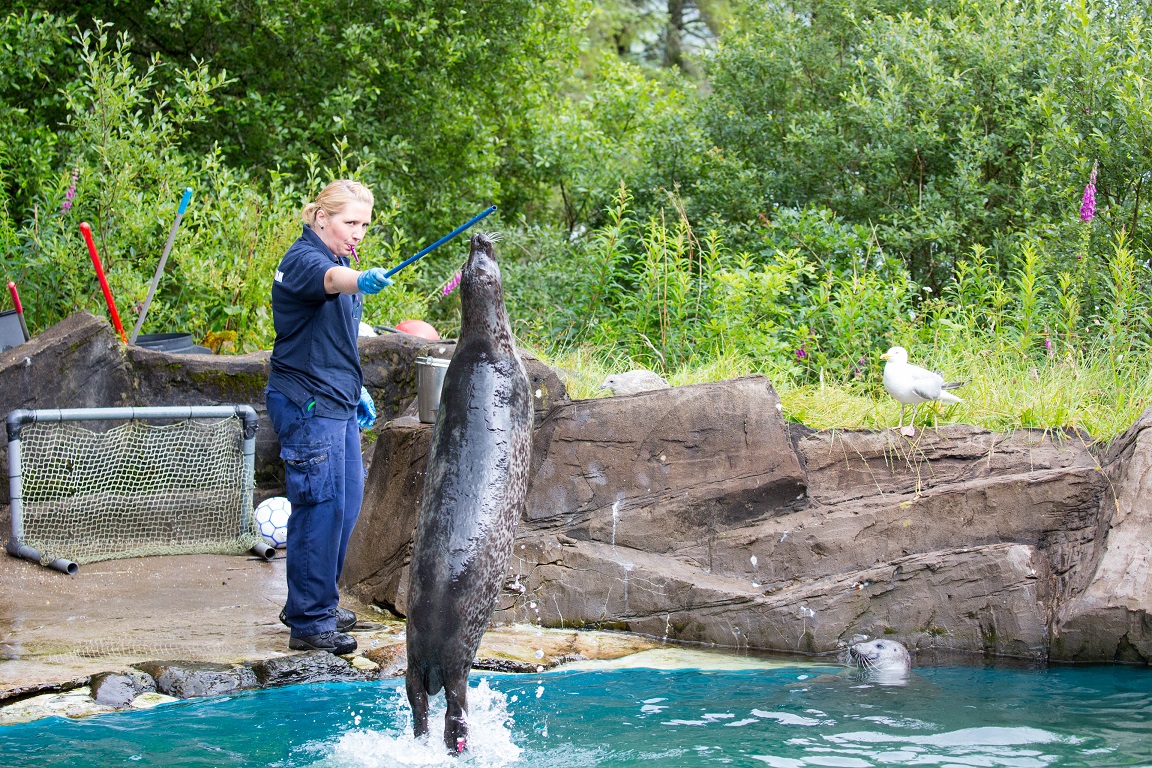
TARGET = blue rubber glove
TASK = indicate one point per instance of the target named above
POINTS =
(365, 410)
(373, 280)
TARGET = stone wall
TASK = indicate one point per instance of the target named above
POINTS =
(697, 514)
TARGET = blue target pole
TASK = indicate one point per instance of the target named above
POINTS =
(439, 242)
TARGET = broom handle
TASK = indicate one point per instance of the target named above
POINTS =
(439, 242)
(160, 267)
(19, 310)
(87, 232)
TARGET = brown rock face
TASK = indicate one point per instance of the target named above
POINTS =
(1105, 609)
(696, 514)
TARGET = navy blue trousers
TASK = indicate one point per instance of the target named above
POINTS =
(324, 479)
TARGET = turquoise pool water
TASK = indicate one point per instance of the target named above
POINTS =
(785, 717)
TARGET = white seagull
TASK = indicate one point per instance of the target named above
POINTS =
(912, 385)
(633, 382)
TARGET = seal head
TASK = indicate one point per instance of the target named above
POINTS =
(885, 662)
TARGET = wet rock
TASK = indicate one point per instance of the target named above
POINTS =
(74, 703)
(1105, 611)
(392, 658)
(679, 464)
(119, 689)
(19, 693)
(309, 667)
(532, 648)
(150, 700)
(190, 679)
(364, 664)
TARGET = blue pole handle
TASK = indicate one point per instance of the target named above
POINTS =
(439, 242)
(184, 201)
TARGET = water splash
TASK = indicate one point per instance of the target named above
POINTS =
(489, 737)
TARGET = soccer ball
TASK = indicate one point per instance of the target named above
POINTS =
(272, 520)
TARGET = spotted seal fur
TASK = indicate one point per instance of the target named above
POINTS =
(474, 491)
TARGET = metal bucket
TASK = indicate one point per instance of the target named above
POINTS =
(429, 381)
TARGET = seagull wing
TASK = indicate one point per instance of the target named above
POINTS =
(925, 383)
(929, 389)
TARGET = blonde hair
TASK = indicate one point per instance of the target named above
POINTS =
(334, 197)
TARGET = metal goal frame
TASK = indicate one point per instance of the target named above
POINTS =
(17, 420)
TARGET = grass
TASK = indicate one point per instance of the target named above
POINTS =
(1102, 394)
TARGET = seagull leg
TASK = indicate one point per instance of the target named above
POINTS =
(910, 430)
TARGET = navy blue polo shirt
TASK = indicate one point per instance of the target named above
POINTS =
(314, 356)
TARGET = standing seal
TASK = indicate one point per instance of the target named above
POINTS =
(474, 492)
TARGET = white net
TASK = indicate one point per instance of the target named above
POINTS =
(135, 489)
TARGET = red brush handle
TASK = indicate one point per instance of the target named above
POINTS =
(15, 297)
(87, 232)
(19, 310)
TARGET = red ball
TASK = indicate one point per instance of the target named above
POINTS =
(418, 328)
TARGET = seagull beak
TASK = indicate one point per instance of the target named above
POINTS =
(884, 356)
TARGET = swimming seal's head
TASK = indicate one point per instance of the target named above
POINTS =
(882, 661)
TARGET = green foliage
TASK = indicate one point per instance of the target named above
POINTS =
(128, 174)
(33, 54)
(837, 176)
(1096, 107)
(919, 122)
(425, 99)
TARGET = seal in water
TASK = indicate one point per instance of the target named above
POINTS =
(882, 661)
(474, 492)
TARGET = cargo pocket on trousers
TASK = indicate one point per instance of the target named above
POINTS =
(308, 473)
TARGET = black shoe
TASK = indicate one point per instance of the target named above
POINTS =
(333, 642)
(345, 619)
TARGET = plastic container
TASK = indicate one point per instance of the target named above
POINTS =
(429, 381)
(11, 334)
(173, 343)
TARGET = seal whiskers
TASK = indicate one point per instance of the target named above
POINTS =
(474, 491)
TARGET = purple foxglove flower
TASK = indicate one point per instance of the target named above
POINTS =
(451, 284)
(801, 353)
(1088, 205)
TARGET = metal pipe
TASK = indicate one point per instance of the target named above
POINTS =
(28, 553)
(160, 267)
(248, 414)
(263, 550)
(439, 242)
(144, 412)
(16, 546)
